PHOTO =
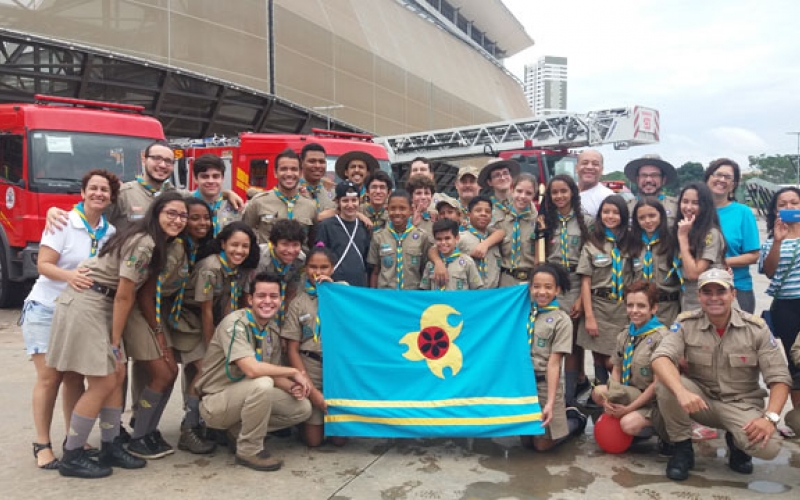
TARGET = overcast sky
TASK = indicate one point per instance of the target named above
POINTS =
(724, 74)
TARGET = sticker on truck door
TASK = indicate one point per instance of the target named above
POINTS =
(10, 198)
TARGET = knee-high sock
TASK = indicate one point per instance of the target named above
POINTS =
(148, 408)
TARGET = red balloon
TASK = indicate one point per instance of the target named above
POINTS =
(609, 436)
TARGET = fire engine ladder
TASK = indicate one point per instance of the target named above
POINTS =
(570, 130)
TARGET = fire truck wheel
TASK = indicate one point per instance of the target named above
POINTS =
(6, 286)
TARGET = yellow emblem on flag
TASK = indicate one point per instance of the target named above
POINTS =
(433, 343)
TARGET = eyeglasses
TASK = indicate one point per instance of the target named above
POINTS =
(722, 177)
(174, 214)
(500, 174)
(159, 159)
(654, 175)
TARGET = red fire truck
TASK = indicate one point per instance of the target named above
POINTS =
(45, 149)
(250, 157)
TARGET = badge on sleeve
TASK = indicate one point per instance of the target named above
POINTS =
(675, 327)
(548, 320)
(709, 237)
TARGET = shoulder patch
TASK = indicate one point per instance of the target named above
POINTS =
(675, 327)
(709, 238)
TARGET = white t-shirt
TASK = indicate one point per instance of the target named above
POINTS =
(593, 197)
(73, 245)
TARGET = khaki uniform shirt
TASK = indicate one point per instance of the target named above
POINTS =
(661, 267)
(266, 208)
(209, 282)
(726, 368)
(467, 243)
(176, 269)
(670, 204)
(597, 263)
(379, 219)
(643, 347)
(293, 276)
(552, 332)
(528, 243)
(383, 253)
(300, 322)
(713, 251)
(233, 341)
(133, 201)
(462, 274)
(227, 214)
(574, 243)
(320, 197)
(131, 263)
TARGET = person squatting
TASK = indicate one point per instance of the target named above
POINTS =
(226, 291)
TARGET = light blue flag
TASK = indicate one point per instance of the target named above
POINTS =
(427, 364)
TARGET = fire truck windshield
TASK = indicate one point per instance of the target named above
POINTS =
(560, 164)
(60, 159)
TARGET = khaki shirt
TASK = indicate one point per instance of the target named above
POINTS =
(795, 352)
(662, 265)
(379, 219)
(726, 368)
(597, 263)
(383, 253)
(574, 243)
(713, 250)
(462, 274)
(131, 262)
(231, 342)
(552, 332)
(133, 201)
(301, 319)
(670, 204)
(209, 282)
(643, 347)
(176, 269)
(467, 243)
(227, 214)
(527, 232)
(266, 208)
(293, 276)
(322, 200)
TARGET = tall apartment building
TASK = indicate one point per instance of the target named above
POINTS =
(546, 85)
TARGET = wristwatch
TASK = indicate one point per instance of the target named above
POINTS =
(772, 417)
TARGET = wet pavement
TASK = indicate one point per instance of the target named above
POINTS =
(379, 468)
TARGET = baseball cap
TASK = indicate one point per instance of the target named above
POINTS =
(718, 276)
(443, 199)
(468, 170)
(346, 188)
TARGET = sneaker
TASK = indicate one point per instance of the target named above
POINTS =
(263, 461)
(114, 455)
(574, 413)
(681, 462)
(124, 435)
(161, 443)
(584, 386)
(75, 463)
(665, 448)
(146, 447)
(192, 442)
(738, 461)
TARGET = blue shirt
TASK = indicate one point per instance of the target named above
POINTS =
(740, 230)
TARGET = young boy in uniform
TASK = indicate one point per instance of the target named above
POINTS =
(243, 387)
(347, 237)
(480, 243)
(421, 188)
(379, 185)
(447, 207)
(209, 172)
(461, 270)
(398, 253)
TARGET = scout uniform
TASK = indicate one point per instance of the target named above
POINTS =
(302, 325)
(514, 272)
(267, 208)
(212, 282)
(222, 213)
(229, 399)
(500, 208)
(609, 311)
(140, 340)
(133, 200)
(383, 253)
(489, 266)
(566, 239)
(712, 251)
(319, 195)
(426, 224)
(379, 219)
(641, 373)
(724, 371)
(462, 274)
(670, 204)
(667, 281)
(552, 332)
(80, 338)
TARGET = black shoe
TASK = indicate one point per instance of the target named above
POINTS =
(681, 462)
(124, 435)
(738, 461)
(161, 443)
(578, 415)
(665, 448)
(114, 455)
(75, 463)
(146, 447)
(583, 386)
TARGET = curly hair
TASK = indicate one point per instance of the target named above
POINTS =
(113, 181)
(557, 271)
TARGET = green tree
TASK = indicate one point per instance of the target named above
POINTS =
(615, 176)
(778, 169)
(691, 171)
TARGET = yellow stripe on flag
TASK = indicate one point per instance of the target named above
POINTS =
(512, 419)
(441, 403)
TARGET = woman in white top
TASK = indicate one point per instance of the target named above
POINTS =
(60, 254)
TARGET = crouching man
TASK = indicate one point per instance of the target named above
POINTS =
(243, 387)
(726, 350)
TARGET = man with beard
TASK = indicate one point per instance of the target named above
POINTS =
(650, 174)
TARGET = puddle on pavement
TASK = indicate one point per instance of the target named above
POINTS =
(768, 487)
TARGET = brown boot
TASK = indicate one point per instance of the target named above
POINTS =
(192, 442)
(262, 461)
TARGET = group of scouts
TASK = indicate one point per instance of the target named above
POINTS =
(226, 291)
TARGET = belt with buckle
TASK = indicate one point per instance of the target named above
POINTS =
(603, 293)
(669, 297)
(104, 290)
(519, 274)
(313, 355)
(571, 268)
